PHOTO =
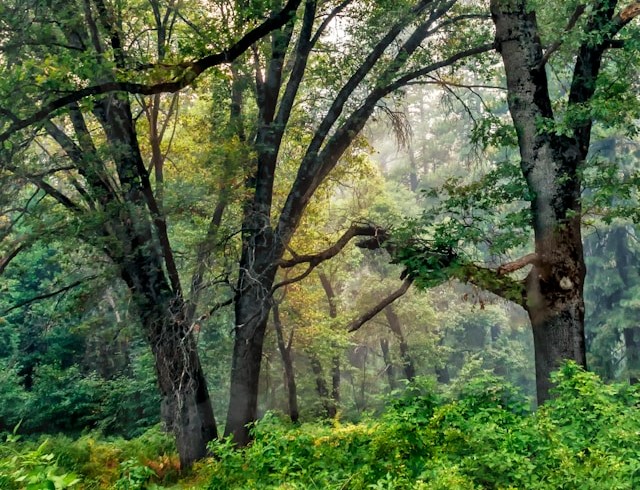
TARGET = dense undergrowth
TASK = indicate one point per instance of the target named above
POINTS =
(588, 437)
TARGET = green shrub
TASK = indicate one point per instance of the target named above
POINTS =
(32, 468)
(484, 437)
(90, 461)
(587, 437)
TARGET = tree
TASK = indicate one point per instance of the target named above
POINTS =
(550, 163)
(107, 193)
(553, 139)
(105, 188)
(392, 60)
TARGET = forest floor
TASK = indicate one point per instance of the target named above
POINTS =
(587, 437)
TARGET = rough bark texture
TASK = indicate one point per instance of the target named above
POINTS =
(554, 286)
(185, 398)
(252, 309)
(142, 253)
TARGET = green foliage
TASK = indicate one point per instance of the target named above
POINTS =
(480, 436)
(32, 469)
(585, 438)
(66, 400)
(88, 462)
(465, 223)
(134, 475)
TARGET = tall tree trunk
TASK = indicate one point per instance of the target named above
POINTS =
(321, 387)
(333, 314)
(287, 363)
(630, 335)
(632, 348)
(413, 166)
(252, 307)
(388, 364)
(442, 371)
(335, 381)
(264, 244)
(186, 406)
(554, 286)
(500, 367)
(184, 393)
(396, 328)
(143, 254)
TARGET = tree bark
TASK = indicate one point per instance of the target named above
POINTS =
(133, 234)
(554, 286)
(287, 363)
(321, 387)
(186, 406)
(252, 305)
(388, 364)
(396, 328)
(333, 313)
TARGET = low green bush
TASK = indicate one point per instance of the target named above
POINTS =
(482, 435)
(587, 437)
(89, 462)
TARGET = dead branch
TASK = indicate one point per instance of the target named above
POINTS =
(365, 317)
(518, 264)
(314, 259)
(213, 309)
(48, 295)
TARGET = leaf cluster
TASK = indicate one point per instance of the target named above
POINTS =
(485, 438)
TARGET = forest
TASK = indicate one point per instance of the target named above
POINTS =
(332, 244)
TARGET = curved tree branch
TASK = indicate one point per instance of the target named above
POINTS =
(190, 71)
(495, 281)
(517, 264)
(627, 15)
(315, 259)
(365, 317)
(13, 253)
(40, 297)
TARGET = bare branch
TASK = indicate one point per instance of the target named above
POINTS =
(297, 278)
(213, 309)
(580, 8)
(18, 247)
(48, 295)
(409, 77)
(315, 259)
(364, 318)
(433, 80)
(518, 264)
(339, 8)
